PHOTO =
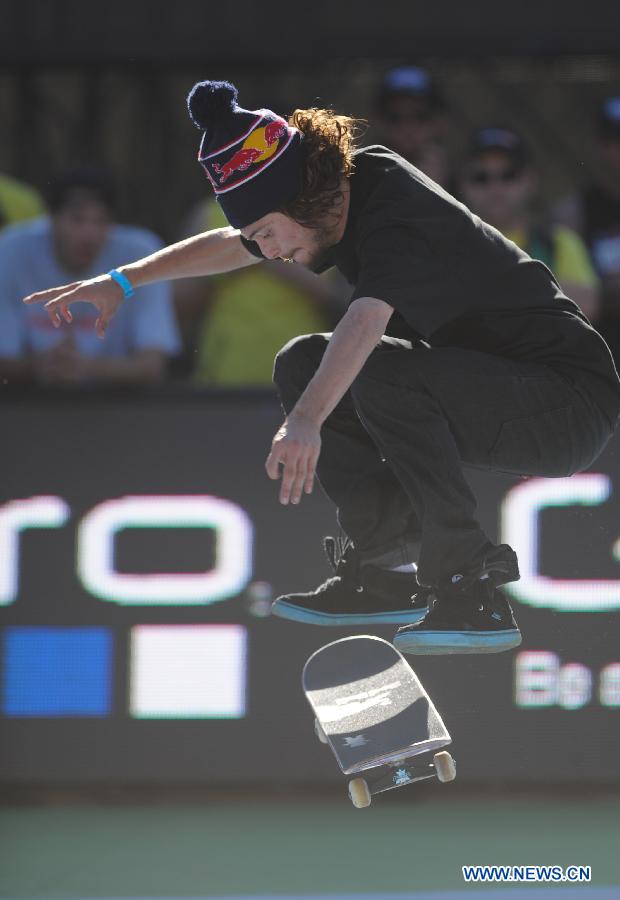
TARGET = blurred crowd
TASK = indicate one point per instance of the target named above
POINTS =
(226, 330)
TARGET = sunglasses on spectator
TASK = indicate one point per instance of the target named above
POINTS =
(503, 176)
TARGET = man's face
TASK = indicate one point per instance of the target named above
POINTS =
(409, 125)
(495, 188)
(280, 237)
(80, 230)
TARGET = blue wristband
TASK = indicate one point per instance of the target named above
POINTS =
(122, 282)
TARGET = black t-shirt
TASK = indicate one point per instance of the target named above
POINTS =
(456, 281)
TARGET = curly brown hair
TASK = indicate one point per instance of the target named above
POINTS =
(329, 140)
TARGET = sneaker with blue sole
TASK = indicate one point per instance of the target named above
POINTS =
(469, 613)
(489, 627)
(357, 594)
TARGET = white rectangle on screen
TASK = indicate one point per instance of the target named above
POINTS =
(188, 671)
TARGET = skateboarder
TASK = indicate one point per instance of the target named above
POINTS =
(456, 349)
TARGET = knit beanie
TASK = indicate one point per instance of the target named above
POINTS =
(252, 157)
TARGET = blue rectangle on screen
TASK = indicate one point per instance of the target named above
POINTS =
(57, 672)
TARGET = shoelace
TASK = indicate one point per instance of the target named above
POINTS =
(335, 549)
(341, 553)
(422, 596)
(471, 592)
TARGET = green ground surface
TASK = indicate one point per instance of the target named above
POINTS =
(304, 846)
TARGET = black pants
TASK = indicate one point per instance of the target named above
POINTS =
(394, 447)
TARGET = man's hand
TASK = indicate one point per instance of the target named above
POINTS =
(296, 447)
(297, 444)
(102, 292)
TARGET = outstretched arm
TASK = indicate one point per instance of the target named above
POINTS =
(297, 445)
(210, 253)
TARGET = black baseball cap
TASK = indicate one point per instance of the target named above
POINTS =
(609, 119)
(502, 139)
(85, 182)
(409, 81)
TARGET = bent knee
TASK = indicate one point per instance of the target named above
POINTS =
(299, 359)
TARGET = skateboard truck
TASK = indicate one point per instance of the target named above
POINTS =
(396, 775)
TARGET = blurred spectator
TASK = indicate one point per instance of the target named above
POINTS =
(411, 118)
(18, 202)
(499, 184)
(595, 213)
(78, 241)
(233, 325)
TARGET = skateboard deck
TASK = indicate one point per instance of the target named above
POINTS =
(372, 710)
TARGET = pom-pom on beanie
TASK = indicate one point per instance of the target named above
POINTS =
(252, 157)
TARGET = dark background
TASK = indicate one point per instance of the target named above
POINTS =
(277, 32)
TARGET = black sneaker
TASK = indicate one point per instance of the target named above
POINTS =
(469, 614)
(357, 594)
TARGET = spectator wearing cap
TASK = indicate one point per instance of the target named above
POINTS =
(78, 240)
(595, 212)
(499, 184)
(410, 113)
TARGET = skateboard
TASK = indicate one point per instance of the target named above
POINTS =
(372, 710)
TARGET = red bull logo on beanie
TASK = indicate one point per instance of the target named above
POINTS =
(243, 159)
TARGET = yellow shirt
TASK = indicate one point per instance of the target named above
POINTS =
(253, 314)
(18, 202)
(569, 258)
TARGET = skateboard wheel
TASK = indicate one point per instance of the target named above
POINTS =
(444, 766)
(318, 730)
(359, 793)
